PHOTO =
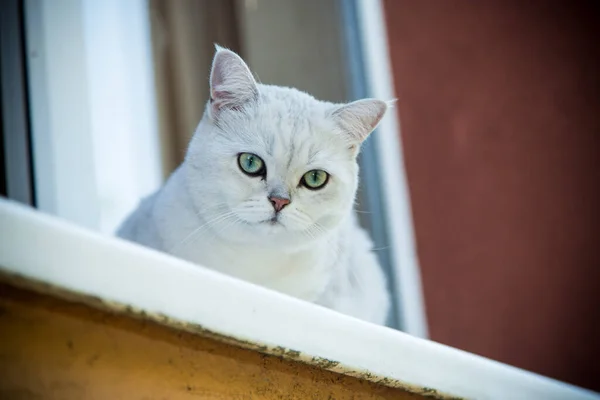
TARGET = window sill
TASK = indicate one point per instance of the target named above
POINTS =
(49, 253)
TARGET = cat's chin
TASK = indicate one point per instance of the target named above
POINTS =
(271, 233)
(269, 227)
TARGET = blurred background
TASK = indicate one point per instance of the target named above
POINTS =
(480, 189)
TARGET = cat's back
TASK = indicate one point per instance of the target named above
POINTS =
(138, 227)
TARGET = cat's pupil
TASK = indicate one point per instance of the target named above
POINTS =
(315, 179)
(251, 164)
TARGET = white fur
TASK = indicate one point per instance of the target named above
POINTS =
(211, 213)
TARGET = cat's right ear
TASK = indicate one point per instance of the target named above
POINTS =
(359, 118)
(232, 85)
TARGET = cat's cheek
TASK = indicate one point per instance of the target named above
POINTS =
(334, 197)
(322, 207)
(332, 221)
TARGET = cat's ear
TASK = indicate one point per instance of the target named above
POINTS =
(359, 118)
(232, 85)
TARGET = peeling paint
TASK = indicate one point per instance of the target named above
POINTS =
(325, 363)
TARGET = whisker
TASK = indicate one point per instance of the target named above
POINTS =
(225, 219)
(380, 248)
(210, 210)
(319, 228)
(230, 224)
(196, 231)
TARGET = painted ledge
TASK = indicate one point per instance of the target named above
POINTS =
(174, 292)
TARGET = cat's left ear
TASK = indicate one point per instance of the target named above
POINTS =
(359, 118)
(232, 85)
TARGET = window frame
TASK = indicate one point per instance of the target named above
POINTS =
(16, 175)
(382, 167)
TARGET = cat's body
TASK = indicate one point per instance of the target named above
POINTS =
(266, 193)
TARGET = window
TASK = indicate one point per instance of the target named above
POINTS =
(115, 89)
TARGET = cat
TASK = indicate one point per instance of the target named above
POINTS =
(266, 194)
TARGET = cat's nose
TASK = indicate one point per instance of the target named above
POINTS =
(279, 202)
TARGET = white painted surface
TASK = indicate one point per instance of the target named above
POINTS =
(410, 303)
(94, 128)
(45, 248)
(63, 159)
(122, 104)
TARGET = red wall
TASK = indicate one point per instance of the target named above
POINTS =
(499, 109)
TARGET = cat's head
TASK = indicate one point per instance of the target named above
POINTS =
(270, 165)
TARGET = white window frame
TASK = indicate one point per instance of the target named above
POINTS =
(93, 115)
(380, 80)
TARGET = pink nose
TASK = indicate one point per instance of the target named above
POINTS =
(278, 203)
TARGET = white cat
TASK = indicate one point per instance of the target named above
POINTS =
(266, 192)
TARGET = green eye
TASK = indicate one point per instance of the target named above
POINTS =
(251, 164)
(315, 179)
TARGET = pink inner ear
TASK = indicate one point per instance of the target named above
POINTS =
(218, 98)
(358, 119)
(224, 100)
(232, 84)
